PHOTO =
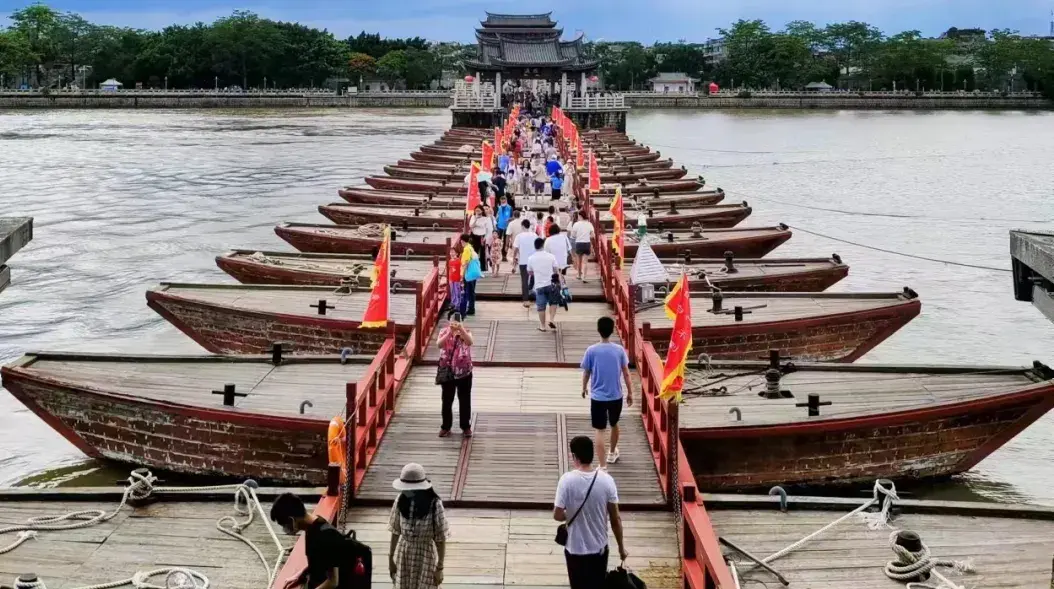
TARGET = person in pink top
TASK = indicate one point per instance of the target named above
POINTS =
(454, 375)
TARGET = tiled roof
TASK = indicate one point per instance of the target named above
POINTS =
(519, 20)
(530, 53)
(671, 77)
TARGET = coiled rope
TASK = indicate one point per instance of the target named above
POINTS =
(912, 565)
(141, 485)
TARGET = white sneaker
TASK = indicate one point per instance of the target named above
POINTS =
(613, 456)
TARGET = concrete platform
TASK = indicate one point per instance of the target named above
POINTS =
(1033, 265)
(15, 233)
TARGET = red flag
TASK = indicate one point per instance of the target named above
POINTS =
(580, 157)
(594, 173)
(473, 189)
(376, 313)
(678, 308)
(618, 238)
(498, 141)
(488, 156)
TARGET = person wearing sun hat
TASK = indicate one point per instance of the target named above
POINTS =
(419, 532)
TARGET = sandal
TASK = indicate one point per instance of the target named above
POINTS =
(542, 329)
(552, 325)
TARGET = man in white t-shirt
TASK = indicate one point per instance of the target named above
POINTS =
(522, 250)
(558, 244)
(582, 233)
(587, 512)
(542, 267)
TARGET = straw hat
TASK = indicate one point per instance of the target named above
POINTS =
(412, 478)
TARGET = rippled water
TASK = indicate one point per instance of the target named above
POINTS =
(123, 200)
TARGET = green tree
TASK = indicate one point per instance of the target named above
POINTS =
(750, 45)
(421, 68)
(15, 55)
(853, 46)
(243, 45)
(392, 66)
(38, 25)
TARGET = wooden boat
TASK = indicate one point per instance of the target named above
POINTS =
(713, 216)
(1006, 546)
(417, 173)
(455, 148)
(267, 267)
(249, 319)
(602, 159)
(404, 218)
(358, 195)
(745, 242)
(892, 422)
(817, 327)
(766, 274)
(161, 411)
(458, 187)
(657, 199)
(343, 239)
(462, 167)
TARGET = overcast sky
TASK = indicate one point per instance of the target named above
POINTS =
(640, 20)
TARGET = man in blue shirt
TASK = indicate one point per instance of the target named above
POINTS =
(504, 215)
(602, 365)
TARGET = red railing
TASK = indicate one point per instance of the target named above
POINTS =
(702, 561)
(369, 405)
(430, 296)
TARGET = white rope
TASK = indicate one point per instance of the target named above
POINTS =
(880, 493)
(911, 565)
(140, 487)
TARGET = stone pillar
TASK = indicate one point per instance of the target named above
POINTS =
(478, 84)
(582, 88)
(565, 98)
(497, 90)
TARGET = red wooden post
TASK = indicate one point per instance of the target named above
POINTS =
(419, 321)
(672, 427)
(350, 437)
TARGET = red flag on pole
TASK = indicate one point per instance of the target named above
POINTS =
(580, 157)
(618, 237)
(488, 156)
(499, 141)
(473, 189)
(594, 173)
(678, 308)
(376, 313)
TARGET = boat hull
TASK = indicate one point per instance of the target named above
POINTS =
(458, 187)
(725, 216)
(755, 246)
(811, 281)
(212, 442)
(223, 329)
(920, 444)
(837, 337)
(347, 215)
(322, 243)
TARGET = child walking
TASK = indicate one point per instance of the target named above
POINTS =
(494, 245)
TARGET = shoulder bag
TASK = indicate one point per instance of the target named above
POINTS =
(561, 530)
(445, 374)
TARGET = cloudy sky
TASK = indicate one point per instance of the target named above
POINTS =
(641, 20)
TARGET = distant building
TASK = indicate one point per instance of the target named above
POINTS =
(715, 51)
(110, 85)
(675, 82)
(819, 87)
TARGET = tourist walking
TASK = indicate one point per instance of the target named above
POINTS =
(471, 271)
(603, 366)
(542, 268)
(480, 226)
(540, 176)
(454, 375)
(559, 246)
(587, 499)
(514, 228)
(323, 543)
(522, 250)
(454, 279)
(419, 531)
(582, 232)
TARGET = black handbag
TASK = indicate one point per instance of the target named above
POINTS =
(561, 530)
(444, 375)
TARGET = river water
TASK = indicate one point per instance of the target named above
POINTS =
(123, 200)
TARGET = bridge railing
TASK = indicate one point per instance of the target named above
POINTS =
(431, 293)
(597, 101)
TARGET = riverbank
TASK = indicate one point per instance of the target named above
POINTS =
(148, 99)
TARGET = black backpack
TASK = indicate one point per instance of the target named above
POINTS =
(356, 571)
(620, 578)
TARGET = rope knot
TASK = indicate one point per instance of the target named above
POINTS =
(140, 484)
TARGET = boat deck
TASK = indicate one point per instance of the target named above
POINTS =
(164, 534)
(347, 266)
(767, 307)
(291, 300)
(852, 394)
(507, 548)
(271, 390)
(507, 332)
(715, 269)
(523, 419)
(1006, 552)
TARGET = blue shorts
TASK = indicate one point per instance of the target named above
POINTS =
(541, 298)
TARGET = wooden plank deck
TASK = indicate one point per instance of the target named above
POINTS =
(272, 390)
(505, 549)
(506, 332)
(165, 534)
(852, 394)
(506, 284)
(1006, 552)
(523, 418)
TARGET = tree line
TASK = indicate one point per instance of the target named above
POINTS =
(851, 55)
(44, 47)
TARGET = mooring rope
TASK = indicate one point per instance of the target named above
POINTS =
(140, 487)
